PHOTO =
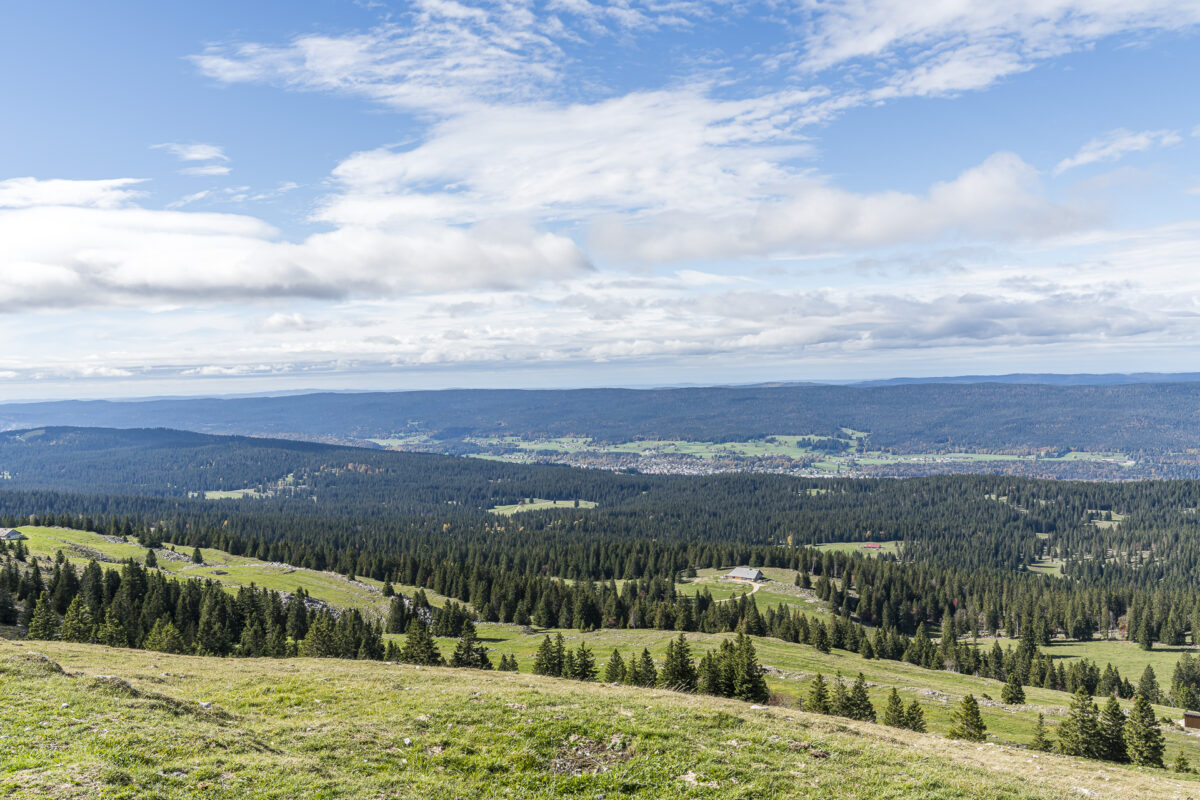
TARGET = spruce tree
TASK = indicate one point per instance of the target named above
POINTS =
(893, 712)
(678, 672)
(614, 670)
(1041, 742)
(44, 623)
(78, 625)
(1112, 731)
(818, 701)
(646, 673)
(544, 661)
(1079, 734)
(968, 723)
(914, 717)
(1147, 685)
(419, 646)
(197, 556)
(164, 637)
(1013, 693)
(858, 701)
(151, 559)
(1181, 764)
(469, 652)
(748, 681)
(1143, 740)
(585, 664)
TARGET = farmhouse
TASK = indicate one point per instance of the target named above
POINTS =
(872, 546)
(1191, 719)
(10, 535)
(745, 574)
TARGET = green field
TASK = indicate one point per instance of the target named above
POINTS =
(162, 726)
(539, 504)
(891, 547)
(233, 571)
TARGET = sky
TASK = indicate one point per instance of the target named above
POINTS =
(227, 197)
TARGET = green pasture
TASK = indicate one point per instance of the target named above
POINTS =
(540, 504)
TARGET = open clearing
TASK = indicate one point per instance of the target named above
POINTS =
(331, 729)
(539, 504)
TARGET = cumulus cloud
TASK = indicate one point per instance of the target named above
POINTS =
(1001, 198)
(1115, 145)
(29, 192)
(101, 253)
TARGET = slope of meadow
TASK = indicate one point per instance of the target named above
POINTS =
(84, 721)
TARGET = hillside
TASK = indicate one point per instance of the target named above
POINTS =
(121, 723)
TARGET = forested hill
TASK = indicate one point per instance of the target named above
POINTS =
(915, 418)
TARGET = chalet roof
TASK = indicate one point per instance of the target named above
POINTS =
(10, 535)
(746, 573)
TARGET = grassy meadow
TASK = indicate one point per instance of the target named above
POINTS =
(84, 721)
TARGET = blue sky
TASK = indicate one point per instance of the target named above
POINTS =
(235, 197)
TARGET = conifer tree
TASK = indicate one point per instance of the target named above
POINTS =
(44, 623)
(197, 556)
(614, 670)
(1041, 742)
(858, 702)
(711, 679)
(1181, 764)
(678, 672)
(1147, 686)
(78, 625)
(1112, 732)
(840, 704)
(1143, 740)
(112, 632)
(164, 637)
(968, 723)
(821, 638)
(646, 674)
(1079, 733)
(748, 682)
(419, 647)
(914, 717)
(893, 712)
(1013, 693)
(544, 661)
(151, 559)
(818, 701)
(469, 652)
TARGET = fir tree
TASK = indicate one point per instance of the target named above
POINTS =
(1079, 734)
(1013, 693)
(1112, 732)
(151, 559)
(419, 647)
(469, 652)
(914, 717)
(614, 670)
(748, 682)
(1041, 742)
(547, 660)
(44, 623)
(164, 637)
(585, 664)
(893, 712)
(1143, 739)
(78, 625)
(1181, 764)
(818, 696)
(197, 556)
(1147, 686)
(968, 724)
(642, 671)
(858, 702)
(678, 672)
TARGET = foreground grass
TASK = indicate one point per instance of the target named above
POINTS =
(332, 729)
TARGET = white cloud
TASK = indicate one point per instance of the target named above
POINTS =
(1116, 144)
(69, 256)
(998, 199)
(206, 170)
(941, 47)
(193, 152)
(28, 192)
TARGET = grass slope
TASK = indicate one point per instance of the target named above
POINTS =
(230, 570)
(332, 729)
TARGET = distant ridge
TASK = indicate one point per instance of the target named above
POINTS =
(1046, 378)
